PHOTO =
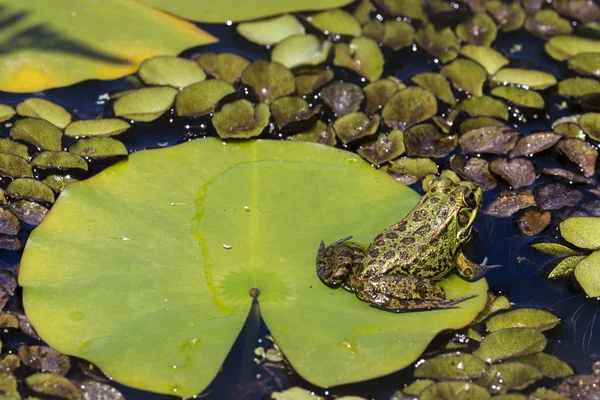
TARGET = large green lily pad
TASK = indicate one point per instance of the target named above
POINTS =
(164, 276)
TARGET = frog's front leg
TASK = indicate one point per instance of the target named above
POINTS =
(402, 293)
(469, 270)
(336, 261)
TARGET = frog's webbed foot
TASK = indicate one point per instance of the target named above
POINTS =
(471, 271)
(483, 268)
(404, 305)
(337, 260)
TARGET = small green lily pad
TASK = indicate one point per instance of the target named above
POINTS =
(272, 30)
(11, 147)
(355, 125)
(27, 188)
(362, 55)
(337, 22)
(581, 232)
(523, 318)
(227, 67)
(415, 388)
(97, 127)
(98, 147)
(382, 148)
(170, 71)
(201, 98)
(547, 23)
(460, 366)
(58, 183)
(59, 159)
(318, 133)
(466, 75)
(532, 79)
(309, 83)
(241, 119)
(549, 365)
(269, 80)
(298, 50)
(436, 84)
(512, 375)
(565, 268)
(577, 87)
(454, 391)
(481, 106)
(391, 33)
(491, 60)
(291, 109)
(590, 123)
(12, 166)
(38, 132)
(6, 112)
(380, 92)
(565, 47)
(417, 167)
(480, 30)
(587, 273)
(510, 16)
(554, 249)
(441, 44)
(412, 9)
(408, 107)
(43, 109)
(510, 343)
(145, 104)
(586, 64)
(54, 385)
(519, 97)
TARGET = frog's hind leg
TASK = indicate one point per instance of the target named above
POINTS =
(402, 293)
(336, 261)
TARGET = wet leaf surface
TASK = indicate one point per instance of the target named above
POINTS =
(9, 223)
(491, 60)
(454, 391)
(580, 153)
(408, 107)
(309, 83)
(564, 47)
(415, 388)
(11, 147)
(240, 119)
(299, 50)
(394, 34)
(317, 134)
(579, 386)
(565, 268)
(25, 188)
(436, 84)
(355, 125)
(587, 273)
(577, 87)
(534, 221)
(590, 123)
(510, 343)
(551, 196)
(466, 75)
(586, 64)
(482, 106)
(547, 23)
(12, 166)
(46, 110)
(269, 80)
(57, 182)
(534, 143)
(197, 230)
(28, 211)
(227, 67)
(342, 97)
(474, 169)
(548, 365)
(478, 122)
(508, 203)
(425, 140)
(289, 109)
(520, 97)
(59, 159)
(6, 112)
(412, 9)
(532, 79)
(362, 55)
(518, 172)
(378, 93)
(417, 167)
(201, 98)
(170, 71)
(554, 249)
(271, 30)
(144, 105)
(461, 366)
(442, 44)
(581, 232)
(480, 30)
(44, 358)
(382, 148)
(523, 318)
(93, 390)
(491, 140)
(337, 22)
(97, 127)
(513, 375)
(510, 16)
(38, 132)
(98, 147)
(54, 385)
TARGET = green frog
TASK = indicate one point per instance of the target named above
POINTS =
(399, 269)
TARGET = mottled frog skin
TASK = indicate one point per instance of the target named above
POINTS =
(399, 269)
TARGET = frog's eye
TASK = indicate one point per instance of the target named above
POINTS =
(470, 199)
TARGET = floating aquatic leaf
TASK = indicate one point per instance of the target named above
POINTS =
(582, 10)
(412, 9)
(511, 17)
(382, 148)
(461, 366)
(362, 11)
(548, 365)
(480, 30)
(12, 166)
(45, 359)
(417, 167)
(8, 387)
(473, 169)
(494, 303)
(534, 143)
(270, 31)
(44, 109)
(380, 92)
(518, 172)
(59, 159)
(510, 343)
(441, 44)
(454, 391)
(586, 64)
(145, 104)
(291, 109)
(6, 112)
(317, 134)
(577, 87)
(97, 127)
(532, 79)
(478, 122)
(578, 386)
(98, 147)
(295, 393)
(309, 83)
(587, 273)
(201, 98)
(491, 60)
(508, 203)
(551, 196)
(580, 153)
(523, 318)
(227, 67)
(425, 140)
(554, 249)
(342, 97)
(466, 75)
(481, 106)
(391, 33)
(355, 125)
(408, 107)
(54, 385)
(8, 321)
(38, 132)
(11, 147)
(362, 55)
(170, 71)
(27, 188)
(512, 375)
(581, 232)
(57, 182)
(298, 50)
(241, 119)
(265, 176)
(565, 47)
(415, 388)
(547, 23)
(519, 97)
(565, 267)
(546, 394)
(533, 221)
(436, 84)
(10, 363)
(269, 80)
(491, 140)
(101, 391)
(592, 207)
(9, 243)
(337, 22)
(590, 123)
(28, 211)
(9, 223)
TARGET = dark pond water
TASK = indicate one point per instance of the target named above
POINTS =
(576, 340)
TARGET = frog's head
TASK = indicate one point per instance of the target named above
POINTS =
(468, 197)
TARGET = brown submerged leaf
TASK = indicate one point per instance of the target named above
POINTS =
(45, 359)
(517, 172)
(442, 44)
(480, 30)
(355, 125)
(510, 16)
(551, 196)
(29, 212)
(317, 134)
(9, 243)
(580, 153)
(240, 119)
(478, 122)
(425, 140)
(93, 390)
(391, 33)
(582, 10)
(508, 203)
(491, 140)
(534, 221)
(54, 385)
(409, 107)
(342, 97)
(534, 143)
(579, 387)
(9, 223)
(290, 109)
(473, 169)
(568, 175)
(380, 92)
(382, 148)
(309, 83)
